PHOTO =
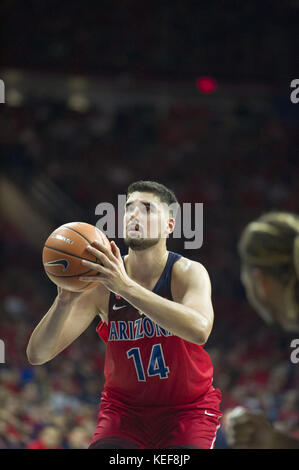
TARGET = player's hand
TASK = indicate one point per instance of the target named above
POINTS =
(248, 430)
(111, 270)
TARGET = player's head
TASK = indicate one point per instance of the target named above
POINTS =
(269, 251)
(149, 214)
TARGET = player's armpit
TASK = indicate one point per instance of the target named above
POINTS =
(191, 286)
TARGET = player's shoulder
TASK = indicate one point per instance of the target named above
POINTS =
(187, 270)
(185, 265)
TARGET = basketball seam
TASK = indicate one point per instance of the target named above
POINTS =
(88, 284)
(70, 228)
(72, 275)
(70, 254)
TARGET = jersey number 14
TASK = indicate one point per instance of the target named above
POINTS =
(156, 364)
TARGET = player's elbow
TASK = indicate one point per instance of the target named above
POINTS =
(198, 337)
(202, 334)
(34, 359)
(201, 339)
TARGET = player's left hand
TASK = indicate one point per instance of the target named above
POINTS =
(111, 271)
(245, 429)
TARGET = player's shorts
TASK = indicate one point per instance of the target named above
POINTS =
(189, 426)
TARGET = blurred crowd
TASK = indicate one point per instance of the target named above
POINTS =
(239, 163)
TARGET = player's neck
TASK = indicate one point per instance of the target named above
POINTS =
(145, 265)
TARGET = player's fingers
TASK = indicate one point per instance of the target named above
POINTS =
(91, 278)
(99, 255)
(95, 266)
(103, 274)
(104, 249)
(116, 250)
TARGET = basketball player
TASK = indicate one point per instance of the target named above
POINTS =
(269, 251)
(156, 315)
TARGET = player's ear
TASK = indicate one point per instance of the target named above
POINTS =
(171, 225)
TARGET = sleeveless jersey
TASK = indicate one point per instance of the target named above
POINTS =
(145, 365)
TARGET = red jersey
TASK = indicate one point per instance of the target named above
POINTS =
(145, 365)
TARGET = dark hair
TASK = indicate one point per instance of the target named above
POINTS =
(166, 195)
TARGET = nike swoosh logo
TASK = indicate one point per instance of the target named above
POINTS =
(210, 414)
(117, 307)
(58, 262)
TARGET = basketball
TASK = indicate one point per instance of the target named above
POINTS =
(63, 251)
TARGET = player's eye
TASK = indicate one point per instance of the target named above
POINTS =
(129, 208)
(148, 208)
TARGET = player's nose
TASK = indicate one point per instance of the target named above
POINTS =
(133, 221)
(134, 213)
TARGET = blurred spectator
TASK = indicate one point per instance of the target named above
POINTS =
(48, 438)
(78, 438)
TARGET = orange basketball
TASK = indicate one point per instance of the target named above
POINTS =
(63, 251)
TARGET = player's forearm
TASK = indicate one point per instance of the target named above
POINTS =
(177, 318)
(44, 338)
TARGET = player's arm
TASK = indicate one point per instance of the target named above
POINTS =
(69, 316)
(190, 314)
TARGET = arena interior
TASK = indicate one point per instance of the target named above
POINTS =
(98, 97)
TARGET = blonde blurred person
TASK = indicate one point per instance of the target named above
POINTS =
(78, 438)
(50, 437)
(269, 252)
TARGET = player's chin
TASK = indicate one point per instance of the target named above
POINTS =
(139, 244)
